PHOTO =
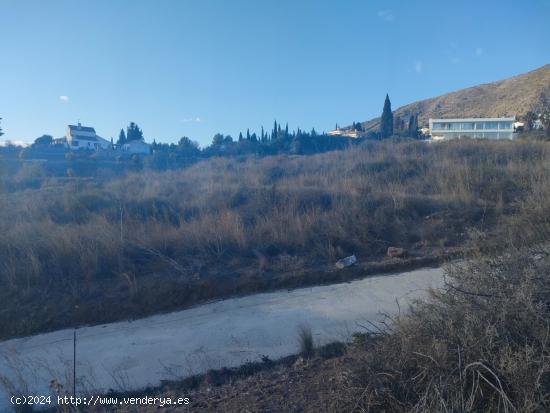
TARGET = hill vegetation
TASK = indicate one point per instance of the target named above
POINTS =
(515, 96)
(479, 344)
(79, 250)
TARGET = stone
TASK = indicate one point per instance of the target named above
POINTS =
(395, 252)
(346, 262)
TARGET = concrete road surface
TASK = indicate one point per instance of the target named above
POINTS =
(140, 353)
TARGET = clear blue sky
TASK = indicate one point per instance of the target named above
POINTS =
(195, 68)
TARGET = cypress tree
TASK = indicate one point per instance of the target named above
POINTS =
(413, 126)
(386, 121)
(247, 134)
(121, 137)
(240, 136)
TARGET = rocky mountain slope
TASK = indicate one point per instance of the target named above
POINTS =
(514, 96)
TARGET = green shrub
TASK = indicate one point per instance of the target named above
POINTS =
(305, 340)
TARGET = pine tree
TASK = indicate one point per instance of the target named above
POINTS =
(218, 139)
(247, 134)
(133, 132)
(386, 121)
(121, 138)
(240, 137)
(286, 131)
(274, 133)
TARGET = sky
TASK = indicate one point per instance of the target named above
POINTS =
(196, 68)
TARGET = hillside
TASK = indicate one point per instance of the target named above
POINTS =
(514, 96)
(79, 251)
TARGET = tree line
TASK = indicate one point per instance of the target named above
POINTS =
(277, 140)
(395, 126)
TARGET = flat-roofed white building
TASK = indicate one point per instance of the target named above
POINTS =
(476, 128)
(137, 147)
(348, 133)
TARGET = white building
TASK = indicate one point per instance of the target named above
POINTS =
(137, 148)
(476, 128)
(348, 133)
(84, 137)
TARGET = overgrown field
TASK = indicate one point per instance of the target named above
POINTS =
(480, 344)
(77, 250)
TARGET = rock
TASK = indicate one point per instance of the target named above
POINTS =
(299, 362)
(395, 252)
(346, 262)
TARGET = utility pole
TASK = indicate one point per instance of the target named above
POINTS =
(74, 363)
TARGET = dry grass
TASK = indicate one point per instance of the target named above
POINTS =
(75, 250)
(482, 344)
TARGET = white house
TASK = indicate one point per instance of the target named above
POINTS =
(84, 137)
(137, 148)
(476, 128)
(348, 133)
